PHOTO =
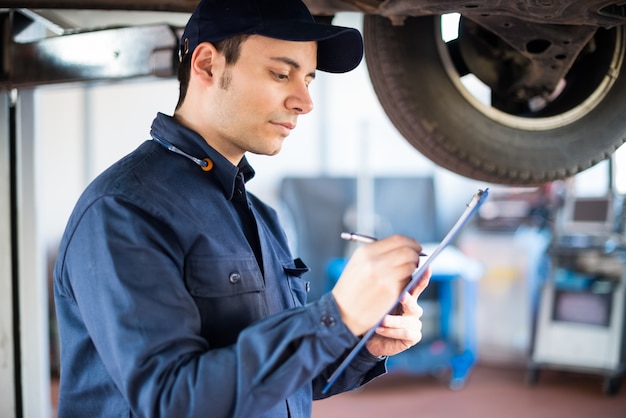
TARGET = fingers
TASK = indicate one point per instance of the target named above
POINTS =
(396, 250)
(406, 327)
(403, 328)
(395, 256)
(395, 241)
(409, 305)
(422, 283)
(407, 336)
(409, 311)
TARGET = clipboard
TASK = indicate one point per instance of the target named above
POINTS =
(471, 209)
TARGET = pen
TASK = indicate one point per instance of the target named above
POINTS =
(353, 236)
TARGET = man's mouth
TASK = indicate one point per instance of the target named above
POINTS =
(287, 127)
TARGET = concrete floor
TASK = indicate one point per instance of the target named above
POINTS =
(489, 392)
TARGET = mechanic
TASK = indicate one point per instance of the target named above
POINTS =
(175, 289)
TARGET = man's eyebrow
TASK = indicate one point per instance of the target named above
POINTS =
(292, 63)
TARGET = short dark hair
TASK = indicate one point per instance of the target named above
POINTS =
(230, 47)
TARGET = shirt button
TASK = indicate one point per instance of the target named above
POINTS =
(234, 277)
(328, 320)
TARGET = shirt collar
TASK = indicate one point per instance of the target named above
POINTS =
(193, 144)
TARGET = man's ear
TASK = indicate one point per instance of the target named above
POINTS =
(205, 61)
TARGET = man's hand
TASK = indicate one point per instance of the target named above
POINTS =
(403, 330)
(373, 280)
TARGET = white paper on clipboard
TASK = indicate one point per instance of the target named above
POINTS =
(472, 207)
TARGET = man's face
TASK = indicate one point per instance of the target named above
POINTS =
(259, 98)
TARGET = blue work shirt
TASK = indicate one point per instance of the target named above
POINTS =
(164, 310)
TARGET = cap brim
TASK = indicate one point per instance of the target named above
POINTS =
(339, 49)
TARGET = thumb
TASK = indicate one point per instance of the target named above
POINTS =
(422, 283)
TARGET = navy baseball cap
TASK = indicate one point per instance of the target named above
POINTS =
(339, 49)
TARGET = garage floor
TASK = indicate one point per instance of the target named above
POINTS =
(490, 392)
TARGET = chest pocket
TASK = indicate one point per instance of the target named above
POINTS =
(230, 295)
(220, 277)
(298, 286)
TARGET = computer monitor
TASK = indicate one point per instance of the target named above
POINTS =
(588, 216)
(582, 307)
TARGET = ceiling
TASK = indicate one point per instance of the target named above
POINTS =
(156, 5)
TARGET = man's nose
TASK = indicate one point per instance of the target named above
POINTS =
(300, 100)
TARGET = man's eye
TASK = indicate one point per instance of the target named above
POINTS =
(280, 76)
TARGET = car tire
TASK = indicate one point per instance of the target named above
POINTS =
(419, 88)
